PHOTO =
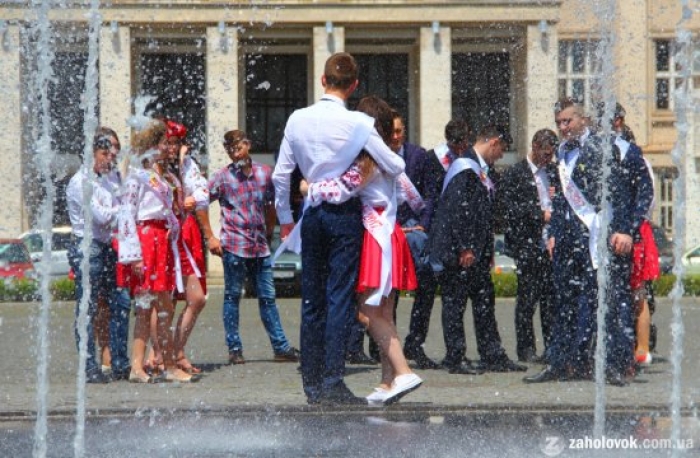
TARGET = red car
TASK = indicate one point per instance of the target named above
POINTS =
(15, 261)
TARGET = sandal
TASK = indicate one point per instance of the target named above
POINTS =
(143, 377)
(170, 377)
(185, 365)
(153, 367)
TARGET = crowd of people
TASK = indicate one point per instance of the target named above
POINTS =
(379, 216)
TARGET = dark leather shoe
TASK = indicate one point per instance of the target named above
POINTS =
(421, 359)
(236, 357)
(531, 357)
(548, 374)
(340, 394)
(463, 367)
(616, 379)
(504, 365)
(359, 358)
(98, 377)
(290, 355)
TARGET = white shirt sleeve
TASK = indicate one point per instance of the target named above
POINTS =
(391, 163)
(195, 184)
(282, 179)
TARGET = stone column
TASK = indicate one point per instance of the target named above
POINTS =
(631, 53)
(115, 80)
(325, 44)
(13, 219)
(222, 75)
(539, 83)
(435, 85)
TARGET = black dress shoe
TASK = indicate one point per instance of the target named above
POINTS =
(122, 374)
(616, 379)
(504, 365)
(548, 374)
(463, 367)
(531, 357)
(98, 377)
(340, 394)
(422, 360)
(359, 358)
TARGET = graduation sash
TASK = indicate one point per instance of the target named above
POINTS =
(461, 164)
(582, 208)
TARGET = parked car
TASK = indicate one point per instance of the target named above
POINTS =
(60, 241)
(15, 262)
(691, 261)
(501, 262)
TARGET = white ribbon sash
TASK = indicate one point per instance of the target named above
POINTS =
(441, 153)
(461, 164)
(583, 210)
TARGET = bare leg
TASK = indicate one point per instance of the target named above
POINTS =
(165, 308)
(141, 333)
(102, 330)
(643, 322)
(195, 303)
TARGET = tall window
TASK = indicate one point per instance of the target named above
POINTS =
(668, 73)
(664, 197)
(577, 69)
(276, 85)
(481, 88)
(383, 75)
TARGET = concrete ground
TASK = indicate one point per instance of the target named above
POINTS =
(263, 385)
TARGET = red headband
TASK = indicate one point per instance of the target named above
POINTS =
(175, 130)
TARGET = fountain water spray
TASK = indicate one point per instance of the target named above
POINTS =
(43, 156)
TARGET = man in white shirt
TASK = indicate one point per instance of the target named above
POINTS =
(323, 140)
(103, 207)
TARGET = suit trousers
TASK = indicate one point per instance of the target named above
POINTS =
(473, 283)
(332, 241)
(535, 287)
(424, 295)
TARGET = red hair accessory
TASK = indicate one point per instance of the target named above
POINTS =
(175, 130)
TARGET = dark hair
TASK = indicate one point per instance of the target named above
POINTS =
(103, 138)
(456, 131)
(382, 113)
(232, 137)
(340, 71)
(545, 137)
(492, 131)
(566, 102)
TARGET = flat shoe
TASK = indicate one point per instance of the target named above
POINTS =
(376, 398)
(140, 378)
(403, 384)
(169, 377)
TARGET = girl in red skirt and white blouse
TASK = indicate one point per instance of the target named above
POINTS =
(148, 233)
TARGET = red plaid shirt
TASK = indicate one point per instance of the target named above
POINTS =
(243, 200)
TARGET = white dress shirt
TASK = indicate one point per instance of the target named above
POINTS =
(104, 203)
(542, 183)
(194, 184)
(323, 140)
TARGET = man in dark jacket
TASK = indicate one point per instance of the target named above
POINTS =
(461, 251)
(524, 197)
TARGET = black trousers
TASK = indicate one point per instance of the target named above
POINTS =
(473, 283)
(421, 310)
(535, 287)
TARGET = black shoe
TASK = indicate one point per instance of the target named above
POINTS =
(359, 358)
(548, 374)
(503, 365)
(530, 357)
(340, 394)
(616, 379)
(421, 359)
(98, 377)
(122, 374)
(463, 367)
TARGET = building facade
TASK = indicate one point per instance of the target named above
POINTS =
(219, 65)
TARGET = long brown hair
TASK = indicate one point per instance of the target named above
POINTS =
(383, 116)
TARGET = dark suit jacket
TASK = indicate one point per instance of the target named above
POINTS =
(417, 159)
(464, 220)
(521, 211)
(588, 176)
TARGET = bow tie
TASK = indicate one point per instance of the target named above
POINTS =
(571, 145)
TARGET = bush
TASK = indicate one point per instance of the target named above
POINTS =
(62, 289)
(664, 285)
(18, 290)
(505, 284)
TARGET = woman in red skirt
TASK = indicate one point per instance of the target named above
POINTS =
(386, 265)
(148, 232)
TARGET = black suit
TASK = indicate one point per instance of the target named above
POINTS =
(464, 221)
(524, 224)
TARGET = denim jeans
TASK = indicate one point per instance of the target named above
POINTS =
(332, 241)
(102, 273)
(260, 271)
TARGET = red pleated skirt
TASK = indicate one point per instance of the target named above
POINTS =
(158, 258)
(403, 270)
(645, 258)
(191, 235)
(125, 277)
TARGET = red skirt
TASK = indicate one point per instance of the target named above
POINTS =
(125, 277)
(645, 258)
(402, 268)
(158, 259)
(191, 236)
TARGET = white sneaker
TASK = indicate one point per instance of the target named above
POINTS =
(403, 384)
(644, 360)
(376, 397)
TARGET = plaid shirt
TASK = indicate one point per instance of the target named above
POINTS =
(243, 200)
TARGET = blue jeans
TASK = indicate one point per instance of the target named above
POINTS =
(102, 273)
(260, 270)
(332, 240)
